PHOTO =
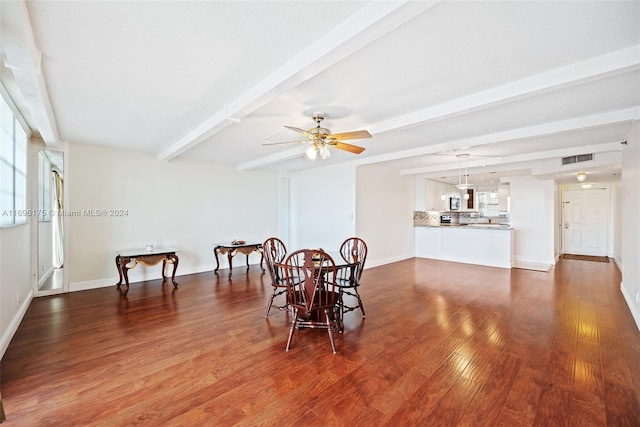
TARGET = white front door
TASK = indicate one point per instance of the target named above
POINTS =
(585, 215)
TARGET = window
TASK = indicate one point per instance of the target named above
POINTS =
(13, 168)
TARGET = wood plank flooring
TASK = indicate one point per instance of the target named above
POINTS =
(443, 344)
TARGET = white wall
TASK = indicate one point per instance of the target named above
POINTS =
(185, 204)
(616, 190)
(630, 243)
(419, 193)
(384, 214)
(322, 207)
(15, 279)
(557, 221)
(532, 217)
(329, 204)
(16, 287)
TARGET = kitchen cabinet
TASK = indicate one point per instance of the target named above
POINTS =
(428, 242)
(433, 195)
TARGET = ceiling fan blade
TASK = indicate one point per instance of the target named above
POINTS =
(302, 131)
(347, 147)
(356, 134)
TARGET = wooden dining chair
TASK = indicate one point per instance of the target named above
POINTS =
(354, 251)
(311, 292)
(275, 252)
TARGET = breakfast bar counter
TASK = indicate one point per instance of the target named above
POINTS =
(481, 244)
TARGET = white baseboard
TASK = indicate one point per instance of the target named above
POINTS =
(532, 265)
(633, 308)
(92, 284)
(618, 263)
(154, 273)
(389, 260)
(151, 273)
(15, 322)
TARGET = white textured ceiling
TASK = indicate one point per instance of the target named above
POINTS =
(512, 83)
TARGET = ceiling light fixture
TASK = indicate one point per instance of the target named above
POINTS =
(581, 176)
(311, 152)
(318, 147)
(324, 151)
(460, 185)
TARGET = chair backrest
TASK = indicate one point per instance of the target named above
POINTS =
(354, 251)
(275, 253)
(311, 279)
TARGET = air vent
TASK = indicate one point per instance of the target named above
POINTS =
(577, 159)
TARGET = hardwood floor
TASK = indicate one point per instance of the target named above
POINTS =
(443, 344)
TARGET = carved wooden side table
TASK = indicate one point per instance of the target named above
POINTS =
(232, 250)
(126, 260)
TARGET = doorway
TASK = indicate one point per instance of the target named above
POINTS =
(50, 232)
(585, 221)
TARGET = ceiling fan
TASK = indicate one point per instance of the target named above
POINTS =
(321, 139)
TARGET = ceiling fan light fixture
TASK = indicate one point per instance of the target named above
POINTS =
(317, 148)
(323, 141)
(581, 176)
(324, 151)
(311, 152)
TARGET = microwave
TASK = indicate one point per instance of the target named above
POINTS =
(454, 203)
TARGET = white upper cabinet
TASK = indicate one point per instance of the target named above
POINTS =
(437, 195)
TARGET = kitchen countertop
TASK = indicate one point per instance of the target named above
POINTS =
(470, 226)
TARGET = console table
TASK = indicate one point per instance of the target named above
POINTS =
(148, 258)
(232, 250)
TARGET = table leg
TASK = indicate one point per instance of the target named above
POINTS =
(174, 260)
(122, 269)
(230, 256)
(340, 313)
(247, 255)
(119, 271)
(215, 252)
(261, 260)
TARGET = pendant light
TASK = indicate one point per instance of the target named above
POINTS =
(460, 185)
